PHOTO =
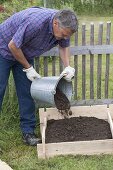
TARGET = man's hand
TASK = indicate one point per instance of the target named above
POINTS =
(68, 73)
(31, 73)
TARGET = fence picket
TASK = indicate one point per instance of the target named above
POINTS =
(53, 65)
(37, 64)
(92, 62)
(76, 68)
(60, 65)
(99, 65)
(108, 31)
(45, 66)
(83, 62)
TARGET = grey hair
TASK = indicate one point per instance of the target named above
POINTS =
(67, 19)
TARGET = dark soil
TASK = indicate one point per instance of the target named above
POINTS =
(77, 129)
(62, 103)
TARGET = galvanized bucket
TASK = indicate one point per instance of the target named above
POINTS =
(44, 89)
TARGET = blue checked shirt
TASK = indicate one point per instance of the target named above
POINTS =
(31, 30)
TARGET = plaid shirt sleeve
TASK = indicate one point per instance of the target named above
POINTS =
(64, 43)
(24, 33)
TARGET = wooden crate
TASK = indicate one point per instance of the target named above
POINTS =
(77, 147)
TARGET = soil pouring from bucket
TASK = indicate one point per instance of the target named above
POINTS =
(62, 103)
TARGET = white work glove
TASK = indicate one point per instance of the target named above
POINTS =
(68, 73)
(31, 73)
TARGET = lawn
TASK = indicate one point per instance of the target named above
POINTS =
(22, 157)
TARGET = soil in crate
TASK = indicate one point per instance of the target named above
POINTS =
(77, 129)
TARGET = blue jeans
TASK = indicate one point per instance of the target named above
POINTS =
(26, 103)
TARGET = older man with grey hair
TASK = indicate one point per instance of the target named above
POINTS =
(23, 36)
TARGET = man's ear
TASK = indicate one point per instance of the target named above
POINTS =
(55, 22)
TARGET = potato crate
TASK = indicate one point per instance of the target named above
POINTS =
(46, 150)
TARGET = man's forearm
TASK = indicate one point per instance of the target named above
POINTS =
(18, 54)
(64, 54)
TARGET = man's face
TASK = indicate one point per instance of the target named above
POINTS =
(59, 32)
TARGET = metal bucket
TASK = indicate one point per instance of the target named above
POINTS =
(44, 89)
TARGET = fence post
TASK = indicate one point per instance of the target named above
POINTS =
(92, 62)
(45, 66)
(83, 62)
(108, 31)
(76, 68)
(53, 66)
(99, 66)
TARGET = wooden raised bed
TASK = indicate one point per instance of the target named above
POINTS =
(46, 150)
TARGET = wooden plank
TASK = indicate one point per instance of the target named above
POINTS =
(99, 70)
(78, 147)
(76, 68)
(76, 77)
(83, 77)
(83, 50)
(37, 64)
(43, 142)
(92, 63)
(110, 121)
(92, 102)
(60, 65)
(45, 66)
(99, 66)
(43, 112)
(99, 111)
(83, 62)
(89, 102)
(107, 75)
(43, 137)
(108, 31)
(53, 65)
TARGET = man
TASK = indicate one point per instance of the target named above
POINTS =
(23, 36)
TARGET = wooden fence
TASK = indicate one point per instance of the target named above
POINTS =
(92, 61)
(92, 50)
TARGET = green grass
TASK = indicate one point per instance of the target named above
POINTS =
(22, 157)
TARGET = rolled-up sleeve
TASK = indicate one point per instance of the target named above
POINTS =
(64, 43)
(25, 32)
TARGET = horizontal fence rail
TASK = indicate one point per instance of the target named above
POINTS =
(83, 50)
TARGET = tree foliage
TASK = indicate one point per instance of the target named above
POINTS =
(84, 6)
(80, 6)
